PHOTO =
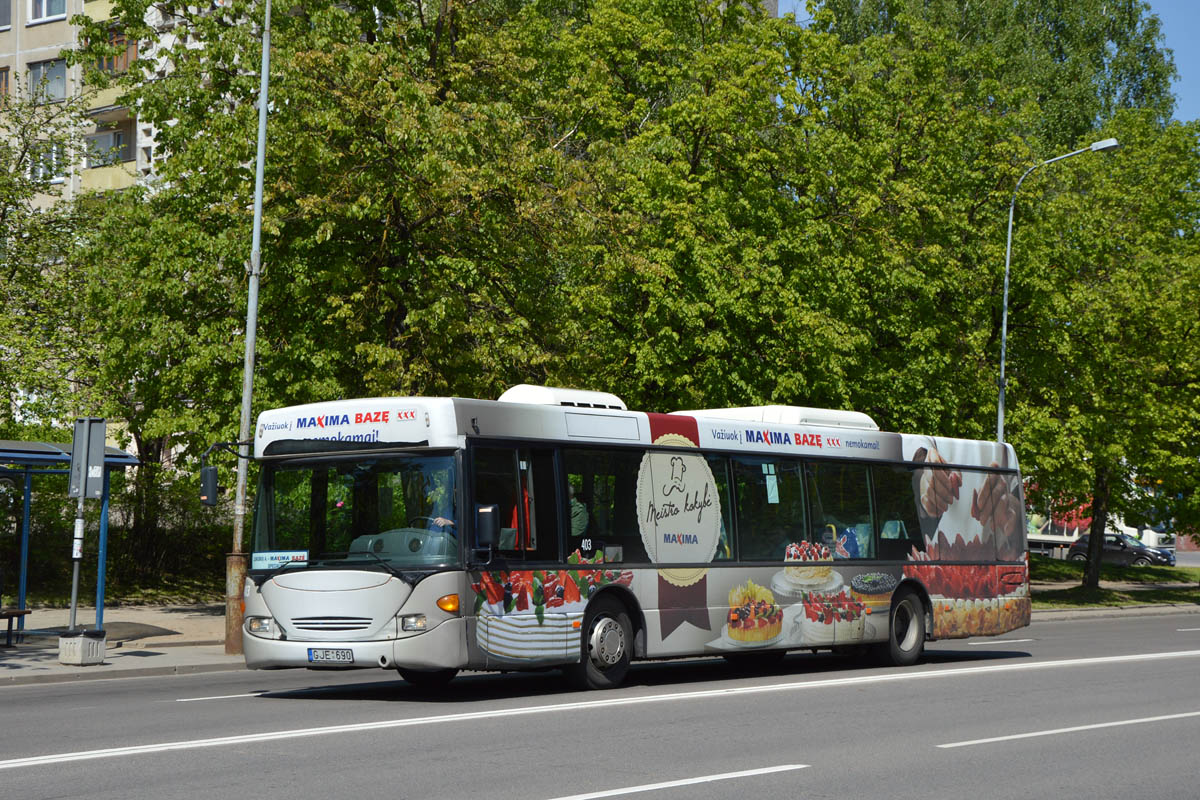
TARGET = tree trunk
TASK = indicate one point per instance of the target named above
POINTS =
(1091, 575)
(145, 546)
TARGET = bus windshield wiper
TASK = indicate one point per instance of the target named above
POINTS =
(378, 559)
(266, 576)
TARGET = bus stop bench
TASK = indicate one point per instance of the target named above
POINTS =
(11, 614)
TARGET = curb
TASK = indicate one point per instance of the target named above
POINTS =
(142, 644)
(1158, 609)
(136, 672)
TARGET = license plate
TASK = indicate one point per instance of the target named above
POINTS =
(327, 655)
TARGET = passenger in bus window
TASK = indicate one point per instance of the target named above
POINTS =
(579, 513)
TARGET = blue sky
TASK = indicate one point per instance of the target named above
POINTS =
(1181, 28)
(1181, 25)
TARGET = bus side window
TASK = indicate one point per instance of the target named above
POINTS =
(602, 513)
(496, 483)
(720, 470)
(521, 482)
(538, 475)
(840, 503)
(770, 506)
(896, 512)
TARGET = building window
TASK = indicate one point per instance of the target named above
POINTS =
(49, 164)
(5, 14)
(48, 80)
(3, 78)
(109, 147)
(46, 10)
(120, 62)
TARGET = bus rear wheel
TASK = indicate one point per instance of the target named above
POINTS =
(606, 646)
(906, 629)
(427, 679)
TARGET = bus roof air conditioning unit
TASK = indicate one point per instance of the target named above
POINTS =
(791, 415)
(554, 396)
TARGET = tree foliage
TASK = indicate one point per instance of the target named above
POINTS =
(1106, 327)
(1079, 61)
(37, 142)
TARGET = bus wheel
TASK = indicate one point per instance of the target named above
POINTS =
(605, 648)
(427, 679)
(906, 631)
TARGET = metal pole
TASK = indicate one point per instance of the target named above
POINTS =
(102, 552)
(23, 581)
(77, 541)
(235, 563)
(1004, 308)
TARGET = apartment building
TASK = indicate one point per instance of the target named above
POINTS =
(33, 36)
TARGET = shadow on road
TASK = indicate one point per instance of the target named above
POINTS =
(679, 673)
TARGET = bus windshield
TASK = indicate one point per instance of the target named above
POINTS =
(392, 511)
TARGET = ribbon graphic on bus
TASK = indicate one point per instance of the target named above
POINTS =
(679, 518)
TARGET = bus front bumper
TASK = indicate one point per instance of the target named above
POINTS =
(442, 647)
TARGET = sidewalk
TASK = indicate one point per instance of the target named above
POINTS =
(174, 640)
(141, 640)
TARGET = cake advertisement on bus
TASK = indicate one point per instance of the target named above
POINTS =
(822, 546)
(969, 515)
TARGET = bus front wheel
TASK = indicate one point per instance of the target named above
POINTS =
(906, 629)
(427, 679)
(605, 648)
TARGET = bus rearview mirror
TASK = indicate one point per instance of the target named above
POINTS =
(208, 485)
(487, 526)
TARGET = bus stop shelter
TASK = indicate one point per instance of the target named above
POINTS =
(21, 462)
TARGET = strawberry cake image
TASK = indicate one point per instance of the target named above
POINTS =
(809, 568)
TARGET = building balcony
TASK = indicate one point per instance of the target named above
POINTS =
(103, 105)
(109, 179)
(98, 9)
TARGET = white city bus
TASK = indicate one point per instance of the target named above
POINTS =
(555, 527)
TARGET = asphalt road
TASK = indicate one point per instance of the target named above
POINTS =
(1100, 708)
(1187, 558)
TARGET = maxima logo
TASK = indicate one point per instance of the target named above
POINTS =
(323, 421)
(783, 437)
(358, 418)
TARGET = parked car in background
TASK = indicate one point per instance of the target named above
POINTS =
(1121, 548)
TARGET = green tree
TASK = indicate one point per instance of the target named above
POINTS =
(135, 311)
(1105, 334)
(38, 144)
(1080, 62)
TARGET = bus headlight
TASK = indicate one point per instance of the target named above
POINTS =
(413, 622)
(261, 626)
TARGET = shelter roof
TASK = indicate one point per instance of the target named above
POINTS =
(38, 453)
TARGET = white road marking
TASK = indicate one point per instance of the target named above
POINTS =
(1186, 630)
(650, 787)
(998, 641)
(220, 697)
(1074, 729)
(509, 713)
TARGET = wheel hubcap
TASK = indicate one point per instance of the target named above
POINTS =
(906, 631)
(606, 645)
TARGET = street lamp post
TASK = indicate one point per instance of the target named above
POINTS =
(235, 562)
(1094, 147)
